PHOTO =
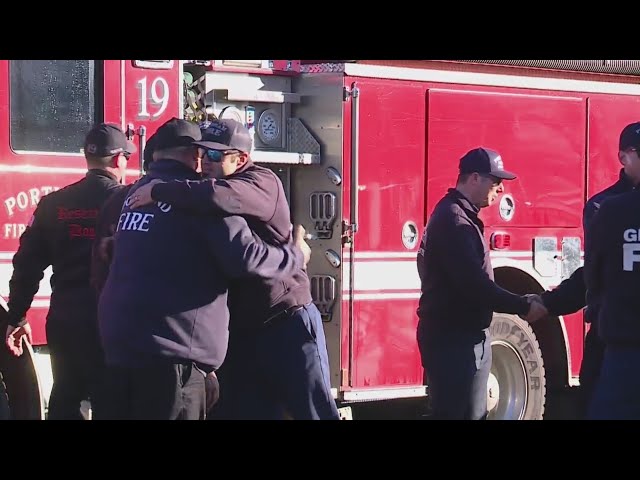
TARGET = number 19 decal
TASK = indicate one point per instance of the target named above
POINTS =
(155, 97)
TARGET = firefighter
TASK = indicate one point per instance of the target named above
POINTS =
(61, 234)
(459, 295)
(612, 278)
(162, 312)
(102, 253)
(570, 295)
(278, 359)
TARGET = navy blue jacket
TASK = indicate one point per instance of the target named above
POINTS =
(458, 288)
(61, 234)
(257, 194)
(570, 296)
(166, 292)
(612, 268)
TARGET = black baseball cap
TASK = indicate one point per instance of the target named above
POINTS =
(484, 160)
(176, 133)
(226, 134)
(106, 139)
(630, 136)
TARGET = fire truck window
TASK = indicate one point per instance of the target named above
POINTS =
(53, 104)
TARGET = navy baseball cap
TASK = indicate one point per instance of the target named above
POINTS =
(106, 139)
(176, 133)
(630, 136)
(226, 134)
(485, 160)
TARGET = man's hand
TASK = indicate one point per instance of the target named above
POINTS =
(537, 310)
(142, 195)
(212, 389)
(299, 234)
(15, 336)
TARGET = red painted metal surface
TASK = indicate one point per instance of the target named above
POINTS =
(391, 192)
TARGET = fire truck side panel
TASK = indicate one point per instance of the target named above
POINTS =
(608, 114)
(316, 203)
(541, 139)
(391, 143)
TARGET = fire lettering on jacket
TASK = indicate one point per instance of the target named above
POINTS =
(134, 221)
(630, 249)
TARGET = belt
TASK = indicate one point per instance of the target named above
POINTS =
(282, 313)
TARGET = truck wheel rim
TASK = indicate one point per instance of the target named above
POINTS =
(507, 386)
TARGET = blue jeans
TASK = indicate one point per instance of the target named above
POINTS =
(283, 368)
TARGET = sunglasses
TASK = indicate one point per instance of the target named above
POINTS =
(218, 155)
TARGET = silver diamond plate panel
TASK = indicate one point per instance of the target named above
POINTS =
(300, 139)
(322, 68)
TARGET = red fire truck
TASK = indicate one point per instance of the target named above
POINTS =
(364, 149)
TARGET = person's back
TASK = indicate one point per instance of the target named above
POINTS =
(142, 314)
(256, 300)
(61, 235)
(68, 219)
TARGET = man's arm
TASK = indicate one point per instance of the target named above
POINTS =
(29, 263)
(568, 297)
(594, 249)
(241, 253)
(464, 269)
(242, 194)
(103, 243)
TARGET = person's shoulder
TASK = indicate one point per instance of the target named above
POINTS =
(621, 202)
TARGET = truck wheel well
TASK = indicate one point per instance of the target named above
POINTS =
(549, 332)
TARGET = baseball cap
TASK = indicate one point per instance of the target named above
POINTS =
(226, 134)
(176, 133)
(484, 160)
(630, 136)
(106, 139)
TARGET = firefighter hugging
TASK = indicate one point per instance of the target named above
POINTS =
(189, 294)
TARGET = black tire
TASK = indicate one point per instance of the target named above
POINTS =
(518, 367)
(5, 413)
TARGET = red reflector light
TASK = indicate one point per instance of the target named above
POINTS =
(500, 241)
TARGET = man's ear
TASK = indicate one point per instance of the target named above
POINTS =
(622, 158)
(242, 159)
(113, 163)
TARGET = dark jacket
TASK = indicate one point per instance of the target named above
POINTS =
(166, 293)
(61, 234)
(458, 289)
(105, 227)
(570, 296)
(612, 268)
(257, 194)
